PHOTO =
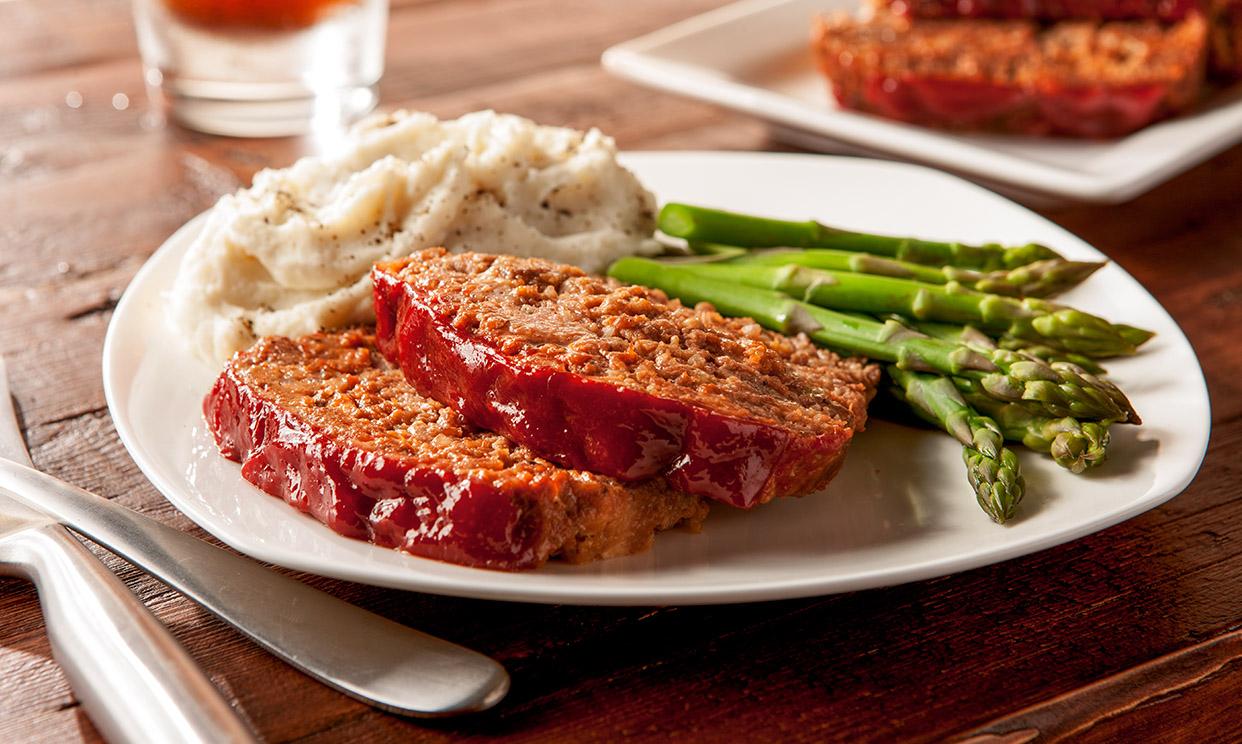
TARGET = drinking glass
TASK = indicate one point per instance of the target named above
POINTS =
(262, 68)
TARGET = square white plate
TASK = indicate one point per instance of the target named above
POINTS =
(754, 56)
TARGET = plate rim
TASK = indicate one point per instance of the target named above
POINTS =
(444, 581)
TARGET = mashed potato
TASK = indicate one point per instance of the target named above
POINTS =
(292, 254)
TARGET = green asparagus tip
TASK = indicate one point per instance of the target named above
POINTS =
(1076, 272)
(999, 484)
(1023, 255)
(1082, 333)
(1080, 450)
(1136, 336)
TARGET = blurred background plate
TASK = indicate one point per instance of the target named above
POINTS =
(754, 57)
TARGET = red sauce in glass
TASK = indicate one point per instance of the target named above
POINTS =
(262, 15)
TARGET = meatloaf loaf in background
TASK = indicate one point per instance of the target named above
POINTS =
(617, 379)
(1072, 78)
(327, 424)
(1045, 10)
(1224, 18)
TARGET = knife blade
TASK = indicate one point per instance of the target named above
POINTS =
(364, 655)
(133, 679)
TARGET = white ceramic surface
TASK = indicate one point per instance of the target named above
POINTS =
(754, 56)
(900, 510)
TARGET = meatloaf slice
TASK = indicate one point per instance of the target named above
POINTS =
(1072, 78)
(1045, 10)
(594, 374)
(1224, 18)
(327, 424)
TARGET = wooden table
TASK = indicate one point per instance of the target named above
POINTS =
(1131, 634)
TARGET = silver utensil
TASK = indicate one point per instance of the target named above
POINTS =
(359, 653)
(135, 682)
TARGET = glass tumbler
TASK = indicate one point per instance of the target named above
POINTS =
(262, 68)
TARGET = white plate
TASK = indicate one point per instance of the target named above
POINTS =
(900, 510)
(754, 56)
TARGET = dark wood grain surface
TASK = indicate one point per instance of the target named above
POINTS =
(1128, 635)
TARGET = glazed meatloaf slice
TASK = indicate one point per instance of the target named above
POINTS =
(327, 424)
(1224, 18)
(1045, 10)
(1073, 78)
(618, 379)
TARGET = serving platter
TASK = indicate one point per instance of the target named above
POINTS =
(899, 511)
(753, 56)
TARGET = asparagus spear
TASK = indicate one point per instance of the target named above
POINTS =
(1075, 392)
(1058, 388)
(1040, 279)
(1074, 445)
(1025, 318)
(716, 226)
(717, 250)
(992, 470)
(1018, 422)
(971, 336)
(1049, 353)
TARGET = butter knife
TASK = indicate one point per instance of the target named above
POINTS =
(364, 655)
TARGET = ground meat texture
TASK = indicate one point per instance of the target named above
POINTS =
(1224, 18)
(618, 379)
(1079, 78)
(1045, 10)
(327, 424)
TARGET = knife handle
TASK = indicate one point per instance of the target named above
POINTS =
(362, 654)
(134, 680)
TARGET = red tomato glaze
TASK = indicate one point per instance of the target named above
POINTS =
(591, 424)
(362, 494)
(1096, 112)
